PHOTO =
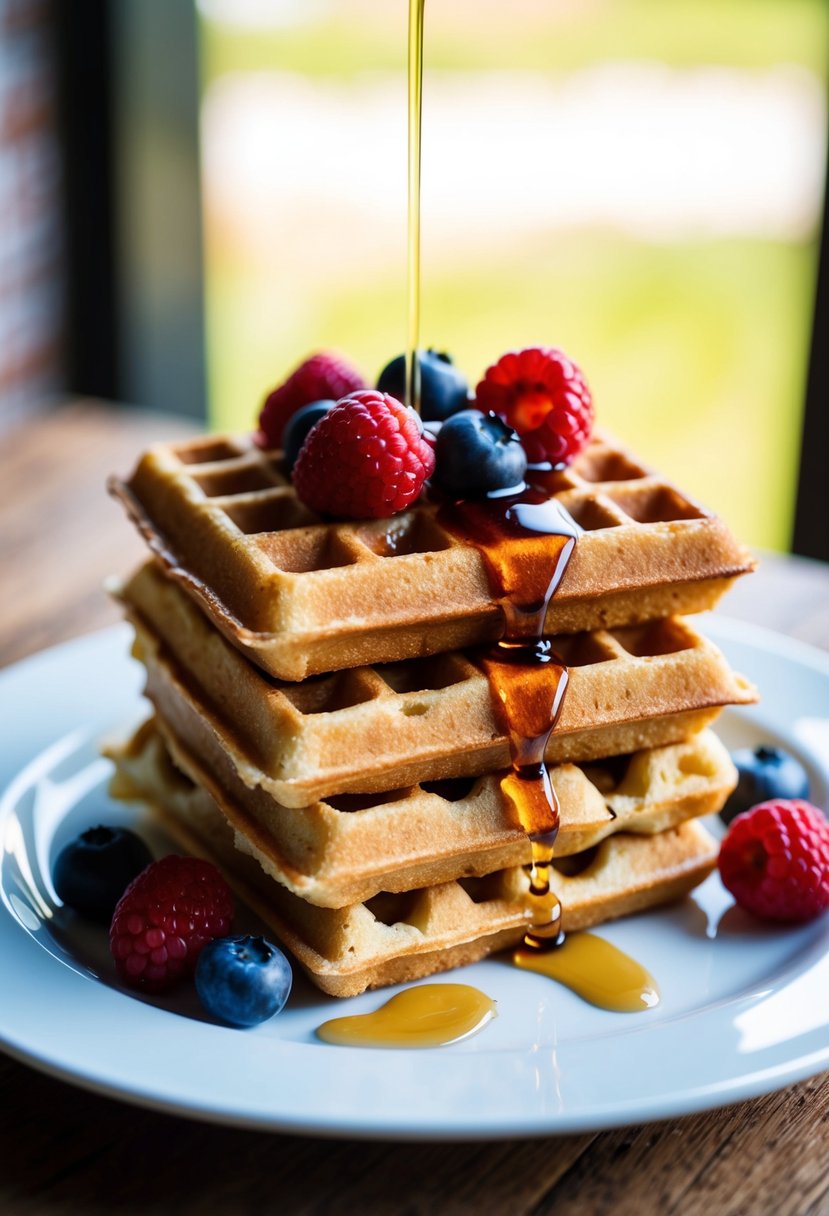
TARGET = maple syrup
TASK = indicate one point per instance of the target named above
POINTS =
(528, 683)
(432, 1015)
(597, 971)
(526, 678)
(416, 8)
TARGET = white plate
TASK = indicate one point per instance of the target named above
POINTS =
(744, 1006)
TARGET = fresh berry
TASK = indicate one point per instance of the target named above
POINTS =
(476, 453)
(92, 872)
(165, 917)
(298, 426)
(764, 772)
(321, 377)
(443, 390)
(543, 395)
(243, 980)
(366, 459)
(775, 860)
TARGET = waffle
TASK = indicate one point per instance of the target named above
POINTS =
(349, 849)
(398, 937)
(386, 727)
(303, 596)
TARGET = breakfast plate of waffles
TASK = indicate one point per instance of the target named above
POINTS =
(459, 743)
(743, 1004)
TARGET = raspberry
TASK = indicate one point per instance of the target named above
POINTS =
(321, 377)
(366, 459)
(775, 860)
(542, 395)
(164, 918)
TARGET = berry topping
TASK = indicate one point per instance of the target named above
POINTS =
(92, 872)
(443, 390)
(298, 426)
(775, 860)
(243, 980)
(165, 917)
(476, 453)
(320, 377)
(543, 395)
(764, 772)
(366, 459)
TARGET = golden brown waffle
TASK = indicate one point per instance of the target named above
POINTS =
(303, 596)
(386, 727)
(348, 849)
(398, 937)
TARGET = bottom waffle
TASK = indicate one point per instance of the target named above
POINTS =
(393, 938)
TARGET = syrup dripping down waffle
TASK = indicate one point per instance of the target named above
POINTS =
(390, 726)
(303, 596)
(393, 938)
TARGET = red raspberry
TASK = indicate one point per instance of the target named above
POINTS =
(775, 860)
(366, 459)
(323, 377)
(165, 916)
(543, 396)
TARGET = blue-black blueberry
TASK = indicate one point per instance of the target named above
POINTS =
(477, 454)
(764, 772)
(92, 872)
(443, 390)
(298, 427)
(242, 981)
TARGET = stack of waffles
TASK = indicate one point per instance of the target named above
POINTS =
(324, 730)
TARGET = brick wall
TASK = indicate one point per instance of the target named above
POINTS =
(30, 225)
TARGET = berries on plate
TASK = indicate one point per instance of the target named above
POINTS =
(542, 395)
(242, 980)
(164, 919)
(366, 459)
(92, 872)
(323, 376)
(298, 427)
(764, 772)
(443, 390)
(478, 453)
(774, 860)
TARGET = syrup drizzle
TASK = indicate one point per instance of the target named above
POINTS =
(432, 1015)
(416, 8)
(527, 680)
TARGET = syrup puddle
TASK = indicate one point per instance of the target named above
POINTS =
(436, 1015)
(433, 1015)
(595, 970)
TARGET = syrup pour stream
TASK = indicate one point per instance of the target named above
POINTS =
(528, 682)
(416, 8)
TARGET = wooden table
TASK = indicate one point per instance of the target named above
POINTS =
(66, 1151)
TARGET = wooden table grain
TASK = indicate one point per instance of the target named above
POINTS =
(64, 1152)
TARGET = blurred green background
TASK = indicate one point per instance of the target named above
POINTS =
(639, 183)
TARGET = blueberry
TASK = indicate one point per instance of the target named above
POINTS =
(298, 426)
(443, 390)
(242, 980)
(764, 773)
(93, 871)
(476, 453)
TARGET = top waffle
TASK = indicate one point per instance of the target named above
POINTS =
(303, 596)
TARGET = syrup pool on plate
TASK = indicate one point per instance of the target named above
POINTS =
(432, 1015)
